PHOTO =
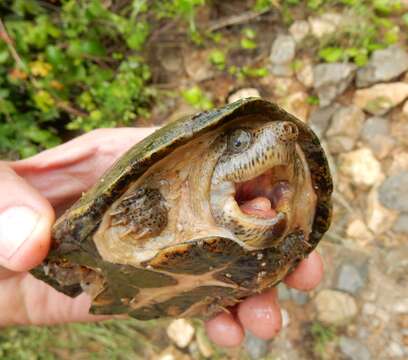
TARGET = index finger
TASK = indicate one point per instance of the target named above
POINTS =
(63, 173)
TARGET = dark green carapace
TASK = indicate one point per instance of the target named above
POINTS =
(204, 212)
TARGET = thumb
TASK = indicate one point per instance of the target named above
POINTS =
(25, 222)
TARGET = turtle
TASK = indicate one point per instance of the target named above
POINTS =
(203, 213)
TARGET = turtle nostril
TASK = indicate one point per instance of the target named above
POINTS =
(289, 132)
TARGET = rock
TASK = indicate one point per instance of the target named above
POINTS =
(256, 347)
(353, 349)
(283, 292)
(358, 230)
(285, 318)
(350, 279)
(344, 129)
(299, 30)
(299, 297)
(399, 129)
(181, 332)
(283, 49)
(401, 225)
(399, 162)
(393, 193)
(296, 104)
(305, 73)
(380, 98)
(401, 307)
(376, 133)
(384, 65)
(171, 353)
(325, 24)
(405, 108)
(330, 80)
(319, 120)
(242, 94)
(379, 219)
(197, 65)
(361, 166)
(335, 307)
(282, 55)
(395, 350)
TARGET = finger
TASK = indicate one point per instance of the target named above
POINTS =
(75, 166)
(260, 314)
(25, 223)
(39, 304)
(224, 330)
(308, 274)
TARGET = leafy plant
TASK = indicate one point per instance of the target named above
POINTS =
(322, 336)
(248, 39)
(196, 97)
(217, 58)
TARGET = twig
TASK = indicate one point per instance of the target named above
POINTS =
(235, 19)
(7, 39)
(70, 109)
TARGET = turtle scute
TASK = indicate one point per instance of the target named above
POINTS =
(201, 214)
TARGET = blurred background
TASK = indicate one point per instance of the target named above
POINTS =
(67, 67)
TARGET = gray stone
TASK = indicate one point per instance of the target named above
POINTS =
(283, 292)
(384, 65)
(376, 133)
(393, 193)
(283, 50)
(256, 347)
(299, 297)
(344, 129)
(381, 98)
(325, 24)
(401, 225)
(319, 120)
(374, 126)
(242, 94)
(350, 279)
(335, 307)
(330, 80)
(284, 70)
(353, 349)
(299, 30)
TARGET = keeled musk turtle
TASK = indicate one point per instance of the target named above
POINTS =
(201, 214)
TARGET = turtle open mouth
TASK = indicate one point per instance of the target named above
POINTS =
(267, 194)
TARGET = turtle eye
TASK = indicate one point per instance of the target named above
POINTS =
(239, 140)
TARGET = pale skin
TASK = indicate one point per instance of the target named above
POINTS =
(47, 184)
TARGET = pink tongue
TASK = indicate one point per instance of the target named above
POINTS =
(260, 207)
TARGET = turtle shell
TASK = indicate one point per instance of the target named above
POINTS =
(74, 263)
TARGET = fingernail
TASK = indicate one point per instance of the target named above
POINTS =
(16, 225)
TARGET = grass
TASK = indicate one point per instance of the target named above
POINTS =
(115, 339)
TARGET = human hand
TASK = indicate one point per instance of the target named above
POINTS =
(32, 190)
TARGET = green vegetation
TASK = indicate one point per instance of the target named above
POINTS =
(108, 340)
(196, 98)
(75, 66)
(322, 336)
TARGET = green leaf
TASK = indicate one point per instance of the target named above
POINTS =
(331, 54)
(405, 18)
(4, 56)
(248, 44)
(195, 97)
(392, 36)
(217, 58)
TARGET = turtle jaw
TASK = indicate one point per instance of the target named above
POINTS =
(257, 211)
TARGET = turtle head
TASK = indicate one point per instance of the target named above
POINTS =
(258, 177)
